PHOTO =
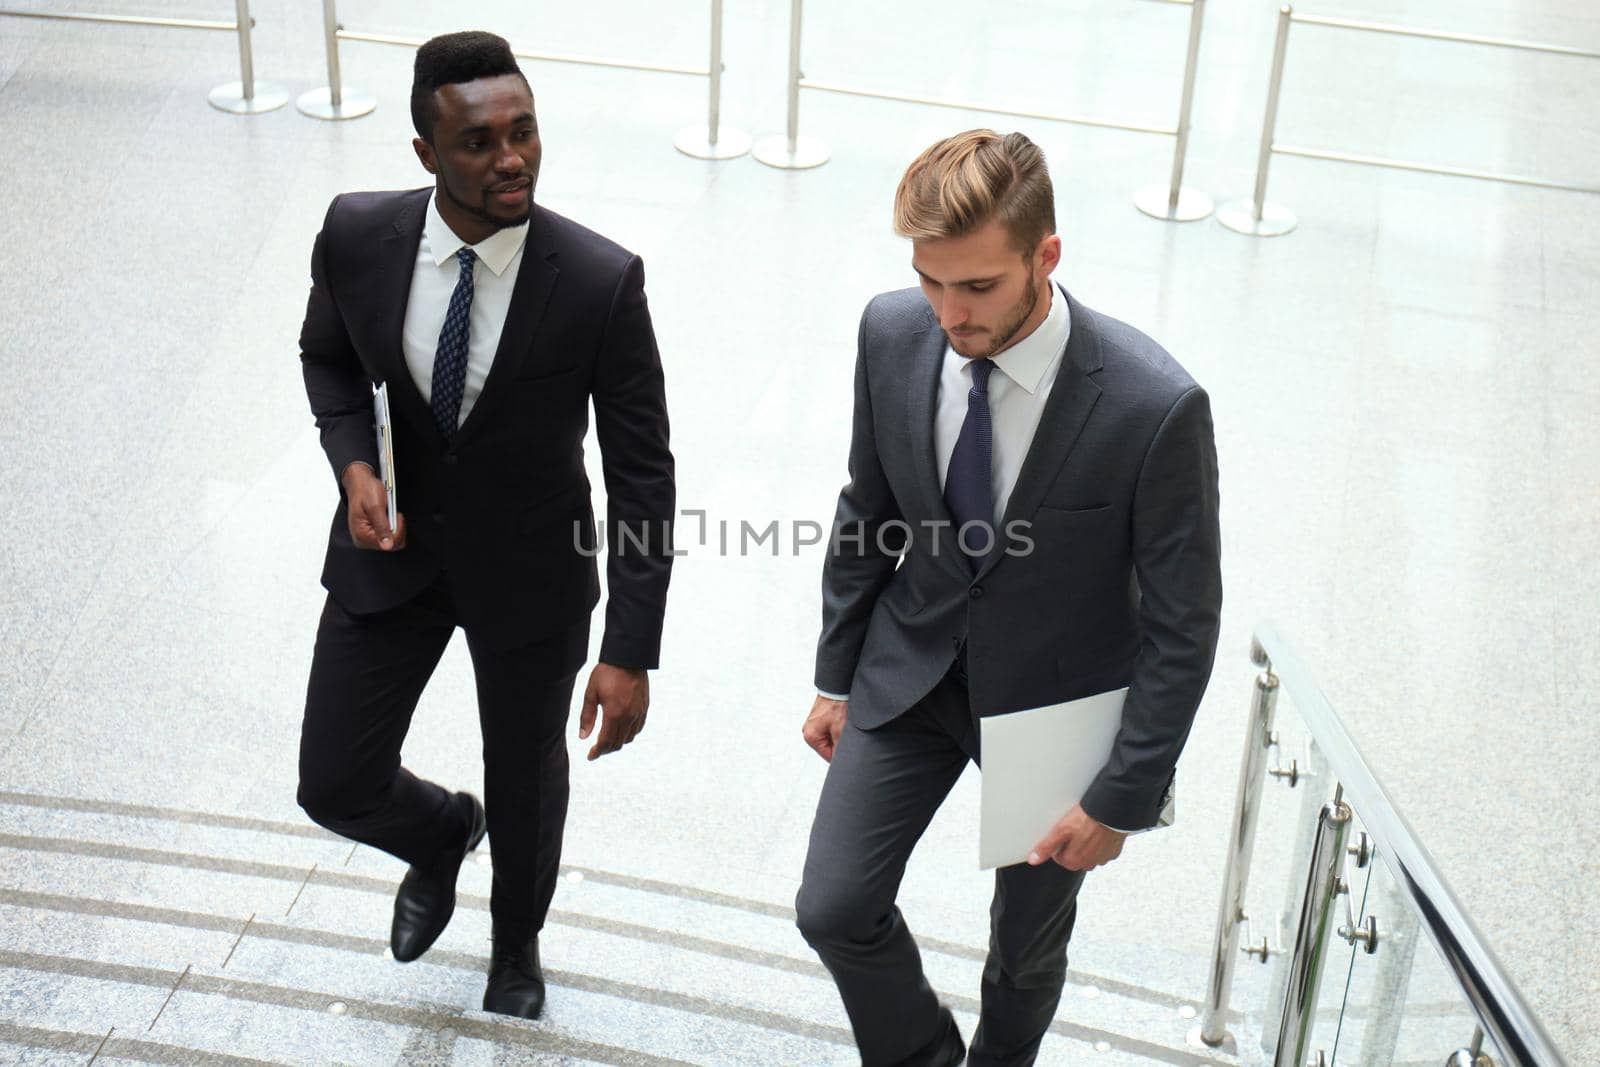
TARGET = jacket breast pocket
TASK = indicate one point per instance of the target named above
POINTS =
(534, 388)
(1057, 527)
(1075, 511)
(541, 375)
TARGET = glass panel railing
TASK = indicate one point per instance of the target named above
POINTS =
(1403, 1005)
(1369, 958)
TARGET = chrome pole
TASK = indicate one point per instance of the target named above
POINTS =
(247, 64)
(334, 102)
(1274, 92)
(792, 151)
(712, 141)
(796, 25)
(714, 109)
(1179, 204)
(1196, 20)
(1311, 936)
(330, 33)
(1230, 913)
(246, 96)
(1263, 219)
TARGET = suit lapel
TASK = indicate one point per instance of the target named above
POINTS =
(1071, 400)
(397, 258)
(536, 280)
(922, 398)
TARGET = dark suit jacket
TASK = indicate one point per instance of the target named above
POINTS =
(497, 505)
(1122, 586)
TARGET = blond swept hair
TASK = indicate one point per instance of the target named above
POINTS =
(962, 182)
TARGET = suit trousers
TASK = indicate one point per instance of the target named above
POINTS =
(882, 789)
(367, 674)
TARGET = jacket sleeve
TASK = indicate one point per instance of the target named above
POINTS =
(1176, 556)
(630, 408)
(336, 384)
(858, 566)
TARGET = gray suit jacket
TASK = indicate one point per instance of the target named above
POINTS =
(1122, 586)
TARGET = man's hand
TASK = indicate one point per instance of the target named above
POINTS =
(623, 694)
(1078, 843)
(367, 510)
(824, 725)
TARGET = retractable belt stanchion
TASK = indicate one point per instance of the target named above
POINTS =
(334, 101)
(790, 151)
(1173, 202)
(713, 140)
(1256, 217)
(247, 96)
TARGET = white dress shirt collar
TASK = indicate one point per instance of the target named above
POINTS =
(495, 251)
(1026, 361)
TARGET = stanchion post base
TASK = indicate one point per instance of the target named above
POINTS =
(1240, 217)
(1196, 1039)
(696, 141)
(1156, 201)
(774, 152)
(231, 98)
(353, 103)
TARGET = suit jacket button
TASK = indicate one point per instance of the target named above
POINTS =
(976, 592)
(438, 517)
(449, 459)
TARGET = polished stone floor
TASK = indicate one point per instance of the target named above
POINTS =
(1405, 391)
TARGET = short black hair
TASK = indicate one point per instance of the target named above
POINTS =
(451, 59)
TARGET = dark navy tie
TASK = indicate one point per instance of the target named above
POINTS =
(450, 361)
(968, 481)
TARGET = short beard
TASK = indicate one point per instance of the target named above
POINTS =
(1019, 315)
(499, 222)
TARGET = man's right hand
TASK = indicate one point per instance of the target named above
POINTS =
(368, 511)
(824, 725)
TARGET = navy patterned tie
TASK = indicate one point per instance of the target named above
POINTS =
(968, 481)
(450, 361)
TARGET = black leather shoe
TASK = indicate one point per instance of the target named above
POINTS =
(427, 896)
(516, 983)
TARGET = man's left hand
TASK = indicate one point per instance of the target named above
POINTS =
(1078, 843)
(622, 695)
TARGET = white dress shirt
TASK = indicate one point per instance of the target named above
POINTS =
(1017, 397)
(433, 280)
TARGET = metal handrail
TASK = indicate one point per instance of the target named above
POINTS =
(1494, 998)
